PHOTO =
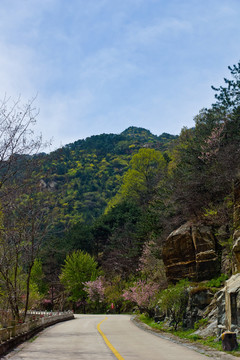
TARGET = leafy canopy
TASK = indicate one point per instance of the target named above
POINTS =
(79, 268)
(146, 169)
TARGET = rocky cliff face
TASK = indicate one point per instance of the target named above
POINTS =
(191, 252)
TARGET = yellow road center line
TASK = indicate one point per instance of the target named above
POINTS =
(112, 348)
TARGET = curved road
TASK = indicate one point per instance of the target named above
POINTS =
(81, 339)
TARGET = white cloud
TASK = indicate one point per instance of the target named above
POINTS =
(146, 35)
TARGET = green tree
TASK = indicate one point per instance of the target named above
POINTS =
(228, 96)
(79, 267)
(173, 301)
(205, 163)
(115, 238)
(37, 277)
(187, 181)
(37, 287)
(147, 167)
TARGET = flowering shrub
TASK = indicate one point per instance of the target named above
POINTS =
(143, 294)
(150, 266)
(212, 144)
(95, 289)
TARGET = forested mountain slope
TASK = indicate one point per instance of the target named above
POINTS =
(86, 174)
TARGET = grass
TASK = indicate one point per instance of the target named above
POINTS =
(188, 335)
(33, 338)
(150, 322)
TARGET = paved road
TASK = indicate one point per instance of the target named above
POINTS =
(80, 339)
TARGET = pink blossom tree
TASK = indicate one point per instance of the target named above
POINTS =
(212, 143)
(151, 267)
(96, 290)
(143, 294)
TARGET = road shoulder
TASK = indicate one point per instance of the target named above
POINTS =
(202, 349)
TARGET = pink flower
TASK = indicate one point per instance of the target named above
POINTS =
(142, 293)
(95, 289)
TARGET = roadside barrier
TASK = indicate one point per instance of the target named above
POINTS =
(36, 321)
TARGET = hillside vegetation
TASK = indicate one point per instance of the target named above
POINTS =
(86, 174)
(112, 200)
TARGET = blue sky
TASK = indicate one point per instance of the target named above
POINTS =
(99, 66)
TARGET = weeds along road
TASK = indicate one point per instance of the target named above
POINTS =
(100, 337)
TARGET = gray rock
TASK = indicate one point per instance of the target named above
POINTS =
(210, 330)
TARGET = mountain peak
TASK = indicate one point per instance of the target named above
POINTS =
(135, 131)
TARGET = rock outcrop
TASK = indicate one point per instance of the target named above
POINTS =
(209, 314)
(229, 305)
(236, 251)
(198, 301)
(191, 252)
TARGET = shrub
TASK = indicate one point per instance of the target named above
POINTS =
(173, 301)
(143, 294)
(217, 282)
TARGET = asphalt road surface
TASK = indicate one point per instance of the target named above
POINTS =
(100, 337)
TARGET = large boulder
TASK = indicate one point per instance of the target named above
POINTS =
(229, 304)
(191, 252)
